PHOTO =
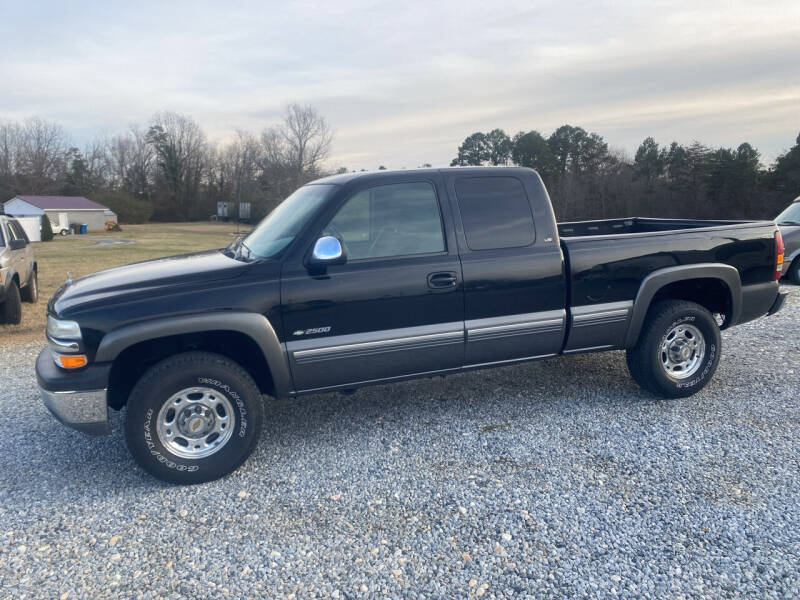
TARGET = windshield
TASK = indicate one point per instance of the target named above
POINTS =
(280, 226)
(791, 216)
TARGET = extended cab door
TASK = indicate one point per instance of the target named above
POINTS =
(396, 307)
(513, 267)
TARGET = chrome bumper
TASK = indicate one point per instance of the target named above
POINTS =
(84, 411)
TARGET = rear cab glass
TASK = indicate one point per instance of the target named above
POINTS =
(495, 212)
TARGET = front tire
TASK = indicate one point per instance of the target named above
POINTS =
(193, 417)
(11, 309)
(678, 349)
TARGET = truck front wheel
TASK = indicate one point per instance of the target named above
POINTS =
(193, 417)
(678, 349)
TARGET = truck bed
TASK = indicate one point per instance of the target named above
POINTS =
(606, 262)
(632, 225)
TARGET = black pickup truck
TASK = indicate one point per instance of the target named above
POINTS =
(377, 277)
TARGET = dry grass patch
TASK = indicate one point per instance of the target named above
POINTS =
(77, 255)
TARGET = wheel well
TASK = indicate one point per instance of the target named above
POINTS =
(709, 292)
(132, 362)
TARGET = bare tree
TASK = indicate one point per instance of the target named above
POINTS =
(181, 152)
(9, 146)
(41, 154)
(131, 159)
(243, 156)
(300, 144)
(9, 141)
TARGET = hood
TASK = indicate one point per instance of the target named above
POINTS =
(144, 278)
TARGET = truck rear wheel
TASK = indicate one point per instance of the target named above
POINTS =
(678, 349)
(11, 309)
(193, 417)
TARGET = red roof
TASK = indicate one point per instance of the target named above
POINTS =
(62, 202)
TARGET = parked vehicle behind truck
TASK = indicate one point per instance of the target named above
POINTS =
(789, 223)
(377, 277)
(19, 277)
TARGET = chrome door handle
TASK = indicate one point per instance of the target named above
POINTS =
(442, 279)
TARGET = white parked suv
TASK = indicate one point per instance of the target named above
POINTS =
(18, 271)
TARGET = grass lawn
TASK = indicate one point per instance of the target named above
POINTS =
(76, 254)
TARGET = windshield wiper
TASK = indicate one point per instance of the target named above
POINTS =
(244, 251)
(238, 250)
(230, 249)
(234, 250)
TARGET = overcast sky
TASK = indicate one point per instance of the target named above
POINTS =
(402, 83)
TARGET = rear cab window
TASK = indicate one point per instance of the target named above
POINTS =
(495, 212)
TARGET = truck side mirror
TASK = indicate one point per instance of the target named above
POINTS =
(328, 250)
(17, 244)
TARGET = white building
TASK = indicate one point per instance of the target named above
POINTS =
(62, 211)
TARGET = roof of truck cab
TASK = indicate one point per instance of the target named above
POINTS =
(348, 177)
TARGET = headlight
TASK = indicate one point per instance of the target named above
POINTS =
(63, 330)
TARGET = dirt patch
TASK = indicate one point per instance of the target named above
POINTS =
(106, 242)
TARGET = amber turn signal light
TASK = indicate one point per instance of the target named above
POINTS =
(71, 361)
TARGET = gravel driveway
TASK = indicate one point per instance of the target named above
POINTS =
(553, 479)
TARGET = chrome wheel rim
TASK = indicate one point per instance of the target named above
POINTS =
(195, 422)
(682, 351)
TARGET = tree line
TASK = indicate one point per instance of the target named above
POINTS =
(166, 169)
(588, 180)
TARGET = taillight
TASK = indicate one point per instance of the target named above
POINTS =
(778, 256)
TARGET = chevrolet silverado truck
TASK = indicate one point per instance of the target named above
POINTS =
(369, 278)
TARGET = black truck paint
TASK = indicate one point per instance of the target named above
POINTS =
(299, 328)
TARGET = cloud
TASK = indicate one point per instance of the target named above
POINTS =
(404, 84)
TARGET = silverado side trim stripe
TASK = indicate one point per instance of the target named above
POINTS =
(377, 347)
(549, 321)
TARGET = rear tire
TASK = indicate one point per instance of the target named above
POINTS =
(193, 417)
(30, 293)
(678, 349)
(11, 309)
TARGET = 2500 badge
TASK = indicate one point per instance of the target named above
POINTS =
(313, 330)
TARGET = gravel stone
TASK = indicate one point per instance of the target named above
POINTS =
(589, 486)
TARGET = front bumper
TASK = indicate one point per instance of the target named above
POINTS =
(76, 399)
(84, 411)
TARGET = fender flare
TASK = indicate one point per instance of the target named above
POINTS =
(257, 327)
(662, 277)
(10, 274)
